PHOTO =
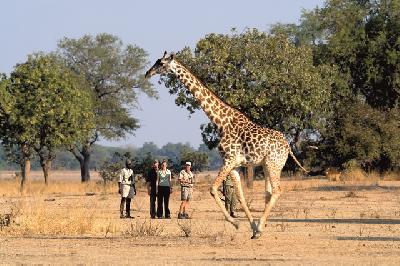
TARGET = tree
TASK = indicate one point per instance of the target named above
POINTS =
(113, 75)
(368, 137)
(198, 159)
(44, 109)
(360, 37)
(214, 158)
(265, 77)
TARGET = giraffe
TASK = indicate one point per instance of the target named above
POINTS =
(242, 143)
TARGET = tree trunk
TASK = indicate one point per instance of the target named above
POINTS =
(25, 168)
(26, 171)
(46, 166)
(85, 173)
(83, 158)
(297, 140)
(249, 176)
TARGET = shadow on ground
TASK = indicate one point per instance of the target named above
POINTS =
(368, 238)
(338, 221)
(353, 188)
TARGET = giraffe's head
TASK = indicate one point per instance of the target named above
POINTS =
(161, 66)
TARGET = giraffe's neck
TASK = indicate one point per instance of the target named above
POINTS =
(217, 111)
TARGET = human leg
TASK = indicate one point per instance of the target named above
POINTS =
(159, 203)
(153, 204)
(166, 203)
(121, 207)
(128, 208)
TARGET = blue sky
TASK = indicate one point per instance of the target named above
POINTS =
(30, 26)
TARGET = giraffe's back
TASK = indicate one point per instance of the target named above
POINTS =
(254, 144)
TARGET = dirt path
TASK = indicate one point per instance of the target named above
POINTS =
(325, 224)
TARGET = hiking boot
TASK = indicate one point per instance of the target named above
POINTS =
(122, 216)
(128, 216)
(186, 216)
(181, 216)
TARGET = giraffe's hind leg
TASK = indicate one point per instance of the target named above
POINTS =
(239, 194)
(214, 188)
(273, 191)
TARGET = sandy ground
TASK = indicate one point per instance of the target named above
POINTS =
(317, 223)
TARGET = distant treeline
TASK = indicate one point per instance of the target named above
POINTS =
(101, 154)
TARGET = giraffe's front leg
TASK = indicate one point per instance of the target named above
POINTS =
(217, 183)
(239, 194)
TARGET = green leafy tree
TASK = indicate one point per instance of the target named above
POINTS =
(265, 77)
(113, 75)
(198, 159)
(368, 136)
(214, 158)
(44, 109)
(360, 37)
(109, 170)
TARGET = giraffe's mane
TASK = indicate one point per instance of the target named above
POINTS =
(212, 93)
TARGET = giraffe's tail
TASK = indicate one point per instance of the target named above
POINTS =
(297, 162)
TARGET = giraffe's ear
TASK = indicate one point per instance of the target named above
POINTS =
(172, 56)
(165, 53)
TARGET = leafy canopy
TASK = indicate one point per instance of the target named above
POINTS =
(265, 77)
(43, 105)
(113, 75)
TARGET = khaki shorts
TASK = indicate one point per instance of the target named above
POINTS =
(127, 191)
(186, 193)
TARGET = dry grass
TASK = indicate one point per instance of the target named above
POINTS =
(35, 219)
(145, 228)
(11, 188)
(33, 214)
(392, 176)
(358, 175)
(186, 227)
(302, 224)
(296, 185)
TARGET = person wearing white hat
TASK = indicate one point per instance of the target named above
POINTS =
(186, 180)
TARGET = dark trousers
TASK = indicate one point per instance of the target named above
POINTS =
(127, 202)
(163, 197)
(153, 197)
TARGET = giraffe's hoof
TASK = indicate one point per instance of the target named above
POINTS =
(236, 224)
(256, 235)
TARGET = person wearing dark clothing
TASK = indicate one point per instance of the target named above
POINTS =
(164, 187)
(151, 180)
(230, 195)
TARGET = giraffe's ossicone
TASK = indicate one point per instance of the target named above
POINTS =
(242, 142)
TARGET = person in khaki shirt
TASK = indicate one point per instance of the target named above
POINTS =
(186, 179)
(126, 187)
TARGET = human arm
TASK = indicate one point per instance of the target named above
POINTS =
(157, 181)
(170, 182)
(148, 188)
(121, 175)
(148, 182)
